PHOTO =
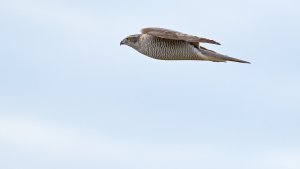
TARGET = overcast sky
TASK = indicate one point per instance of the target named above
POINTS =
(72, 98)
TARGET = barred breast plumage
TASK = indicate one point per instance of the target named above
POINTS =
(166, 44)
(166, 49)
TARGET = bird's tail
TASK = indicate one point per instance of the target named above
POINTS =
(216, 57)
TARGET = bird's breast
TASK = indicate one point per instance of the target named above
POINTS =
(166, 49)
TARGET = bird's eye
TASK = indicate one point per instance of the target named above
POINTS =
(128, 39)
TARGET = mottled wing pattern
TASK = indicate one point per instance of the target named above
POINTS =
(174, 35)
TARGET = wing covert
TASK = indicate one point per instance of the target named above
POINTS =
(174, 35)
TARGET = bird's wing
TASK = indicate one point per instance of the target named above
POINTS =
(174, 35)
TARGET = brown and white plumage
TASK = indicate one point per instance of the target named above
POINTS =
(165, 44)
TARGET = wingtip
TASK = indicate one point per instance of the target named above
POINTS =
(242, 61)
(215, 42)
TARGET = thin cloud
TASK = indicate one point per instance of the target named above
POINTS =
(52, 14)
(77, 143)
(64, 141)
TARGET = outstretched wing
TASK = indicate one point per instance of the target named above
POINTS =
(174, 35)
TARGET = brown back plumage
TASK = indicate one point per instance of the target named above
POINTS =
(174, 35)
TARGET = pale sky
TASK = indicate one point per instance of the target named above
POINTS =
(72, 98)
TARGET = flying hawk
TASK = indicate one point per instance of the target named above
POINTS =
(166, 44)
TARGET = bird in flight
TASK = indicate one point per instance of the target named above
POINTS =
(166, 44)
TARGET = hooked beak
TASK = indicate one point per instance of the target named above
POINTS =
(122, 42)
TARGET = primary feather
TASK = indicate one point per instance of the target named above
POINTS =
(165, 44)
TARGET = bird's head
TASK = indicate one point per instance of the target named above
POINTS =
(131, 40)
